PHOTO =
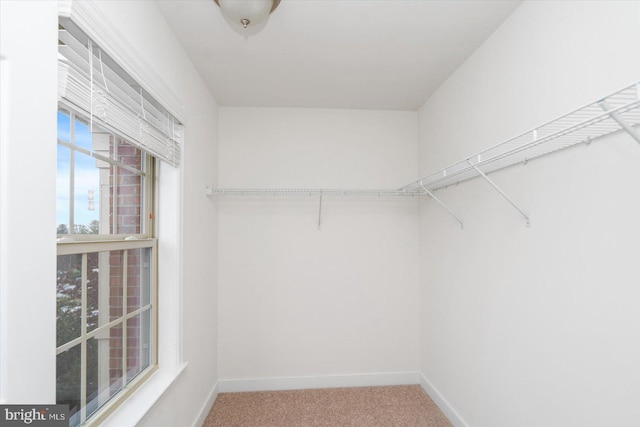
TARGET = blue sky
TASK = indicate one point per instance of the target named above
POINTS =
(86, 175)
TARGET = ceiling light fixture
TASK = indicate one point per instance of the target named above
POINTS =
(247, 12)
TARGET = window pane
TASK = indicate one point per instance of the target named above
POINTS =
(64, 126)
(86, 184)
(63, 179)
(68, 382)
(104, 288)
(93, 290)
(93, 373)
(138, 278)
(115, 359)
(68, 298)
(102, 382)
(82, 134)
(127, 197)
(138, 344)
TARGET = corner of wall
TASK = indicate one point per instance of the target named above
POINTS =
(442, 403)
(206, 407)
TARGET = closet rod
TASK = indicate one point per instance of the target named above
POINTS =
(313, 192)
(310, 192)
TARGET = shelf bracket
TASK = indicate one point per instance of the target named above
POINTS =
(442, 204)
(623, 124)
(320, 211)
(502, 193)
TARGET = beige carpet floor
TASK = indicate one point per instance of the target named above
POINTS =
(398, 406)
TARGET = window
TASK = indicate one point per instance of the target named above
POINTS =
(105, 280)
(110, 135)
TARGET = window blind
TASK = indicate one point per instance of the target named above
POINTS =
(90, 81)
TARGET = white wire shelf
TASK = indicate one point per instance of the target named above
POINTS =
(616, 112)
(317, 192)
(312, 192)
(619, 111)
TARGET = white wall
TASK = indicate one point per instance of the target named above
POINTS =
(295, 301)
(535, 326)
(27, 201)
(188, 293)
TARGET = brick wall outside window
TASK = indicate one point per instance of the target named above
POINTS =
(125, 210)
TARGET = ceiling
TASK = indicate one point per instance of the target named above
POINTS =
(360, 54)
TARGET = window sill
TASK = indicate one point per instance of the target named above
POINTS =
(133, 410)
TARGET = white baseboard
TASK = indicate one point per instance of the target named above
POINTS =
(324, 381)
(206, 408)
(442, 403)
